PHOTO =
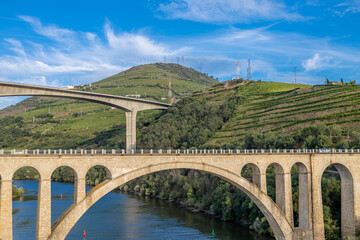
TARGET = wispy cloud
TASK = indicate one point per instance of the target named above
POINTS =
(228, 11)
(347, 6)
(81, 54)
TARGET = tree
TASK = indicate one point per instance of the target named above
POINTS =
(342, 81)
(328, 81)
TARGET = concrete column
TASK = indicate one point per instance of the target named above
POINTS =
(256, 179)
(317, 206)
(79, 190)
(130, 130)
(304, 200)
(263, 182)
(6, 230)
(43, 219)
(357, 202)
(288, 202)
(280, 190)
(347, 203)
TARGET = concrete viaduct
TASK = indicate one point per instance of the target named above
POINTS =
(130, 105)
(228, 165)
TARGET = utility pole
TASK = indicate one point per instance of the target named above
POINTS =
(170, 93)
(249, 70)
(177, 60)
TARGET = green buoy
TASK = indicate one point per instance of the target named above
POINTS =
(213, 233)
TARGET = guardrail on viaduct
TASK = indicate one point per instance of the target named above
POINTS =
(172, 151)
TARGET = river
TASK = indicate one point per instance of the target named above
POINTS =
(123, 216)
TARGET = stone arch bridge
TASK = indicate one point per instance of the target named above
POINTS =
(228, 165)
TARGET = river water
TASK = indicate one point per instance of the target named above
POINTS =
(122, 216)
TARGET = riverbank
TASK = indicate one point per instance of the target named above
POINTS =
(17, 192)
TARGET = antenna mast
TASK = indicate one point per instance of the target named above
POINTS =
(249, 70)
(170, 93)
(238, 70)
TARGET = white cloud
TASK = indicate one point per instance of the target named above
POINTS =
(316, 63)
(78, 52)
(348, 6)
(62, 56)
(50, 31)
(228, 11)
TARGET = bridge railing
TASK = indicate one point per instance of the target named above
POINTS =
(170, 151)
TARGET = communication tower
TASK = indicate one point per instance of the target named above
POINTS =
(238, 70)
(249, 70)
(170, 93)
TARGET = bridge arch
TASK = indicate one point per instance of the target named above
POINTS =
(65, 166)
(304, 202)
(27, 166)
(255, 173)
(347, 199)
(276, 218)
(99, 166)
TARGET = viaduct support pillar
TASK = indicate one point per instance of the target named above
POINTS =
(79, 190)
(304, 200)
(43, 220)
(131, 130)
(317, 206)
(259, 179)
(6, 209)
(286, 203)
(357, 203)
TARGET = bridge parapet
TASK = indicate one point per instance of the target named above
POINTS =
(171, 151)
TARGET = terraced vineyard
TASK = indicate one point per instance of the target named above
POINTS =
(285, 108)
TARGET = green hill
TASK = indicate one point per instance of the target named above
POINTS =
(268, 110)
(53, 122)
(221, 115)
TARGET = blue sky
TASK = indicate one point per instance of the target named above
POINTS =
(55, 43)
